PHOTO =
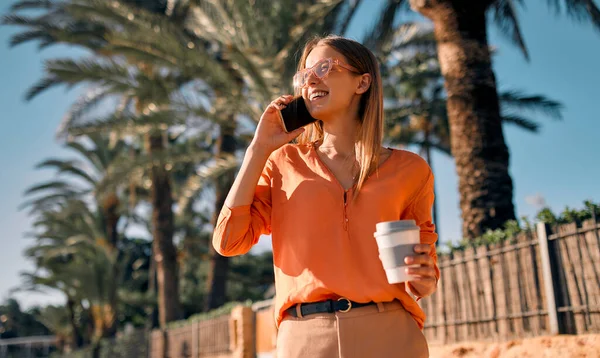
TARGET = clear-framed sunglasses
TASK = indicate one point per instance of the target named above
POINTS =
(321, 69)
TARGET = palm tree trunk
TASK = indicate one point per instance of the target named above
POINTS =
(110, 208)
(477, 140)
(219, 265)
(165, 254)
(77, 338)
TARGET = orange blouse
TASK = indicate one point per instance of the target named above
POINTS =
(323, 244)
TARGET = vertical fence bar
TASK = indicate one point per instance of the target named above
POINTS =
(547, 275)
(195, 339)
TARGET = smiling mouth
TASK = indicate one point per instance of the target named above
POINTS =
(318, 95)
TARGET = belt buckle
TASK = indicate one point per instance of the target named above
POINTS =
(349, 304)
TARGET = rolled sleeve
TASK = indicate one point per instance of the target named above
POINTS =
(239, 228)
(420, 211)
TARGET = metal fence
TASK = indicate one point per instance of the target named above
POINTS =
(543, 282)
(127, 344)
(206, 338)
(27, 347)
(539, 283)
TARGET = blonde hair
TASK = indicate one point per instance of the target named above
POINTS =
(370, 134)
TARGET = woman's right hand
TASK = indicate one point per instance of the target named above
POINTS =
(270, 134)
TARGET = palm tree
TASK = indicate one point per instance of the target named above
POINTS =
(479, 148)
(72, 255)
(56, 192)
(478, 145)
(146, 90)
(416, 102)
(254, 42)
(97, 159)
(144, 93)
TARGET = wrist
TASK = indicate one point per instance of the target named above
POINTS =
(421, 289)
(257, 151)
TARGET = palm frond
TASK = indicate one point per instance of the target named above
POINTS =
(93, 155)
(521, 122)
(504, 15)
(411, 35)
(71, 72)
(18, 20)
(49, 201)
(579, 10)
(105, 71)
(131, 124)
(32, 4)
(345, 21)
(383, 27)
(308, 26)
(123, 168)
(73, 167)
(29, 36)
(42, 86)
(207, 173)
(516, 100)
(56, 185)
(84, 104)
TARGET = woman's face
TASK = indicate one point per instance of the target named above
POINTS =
(333, 94)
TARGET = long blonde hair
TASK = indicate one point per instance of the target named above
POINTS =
(370, 134)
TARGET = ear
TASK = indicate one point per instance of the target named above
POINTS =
(364, 84)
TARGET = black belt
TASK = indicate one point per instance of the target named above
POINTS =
(329, 306)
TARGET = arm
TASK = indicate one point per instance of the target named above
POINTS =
(247, 211)
(246, 214)
(420, 211)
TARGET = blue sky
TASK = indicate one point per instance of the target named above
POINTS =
(560, 165)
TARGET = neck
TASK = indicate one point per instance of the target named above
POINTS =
(340, 130)
(340, 136)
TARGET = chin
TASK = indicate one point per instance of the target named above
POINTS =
(320, 111)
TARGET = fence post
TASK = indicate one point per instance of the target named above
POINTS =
(242, 335)
(195, 339)
(547, 276)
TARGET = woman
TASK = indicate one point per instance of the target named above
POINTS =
(320, 199)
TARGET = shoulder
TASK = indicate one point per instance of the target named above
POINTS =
(412, 167)
(290, 153)
(412, 161)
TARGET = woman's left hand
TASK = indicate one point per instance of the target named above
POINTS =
(425, 282)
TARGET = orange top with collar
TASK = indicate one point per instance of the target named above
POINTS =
(323, 243)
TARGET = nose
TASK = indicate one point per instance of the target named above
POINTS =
(312, 79)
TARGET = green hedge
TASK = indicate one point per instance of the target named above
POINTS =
(218, 312)
(513, 227)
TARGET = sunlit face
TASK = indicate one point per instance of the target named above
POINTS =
(334, 93)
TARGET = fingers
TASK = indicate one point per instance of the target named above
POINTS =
(422, 249)
(274, 106)
(286, 98)
(423, 271)
(283, 100)
(419, 260)
(293, 134)
(279, 103)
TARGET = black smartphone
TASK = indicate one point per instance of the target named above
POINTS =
(295, 115)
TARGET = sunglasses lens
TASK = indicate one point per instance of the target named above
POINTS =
(322, 68)
(300, 79)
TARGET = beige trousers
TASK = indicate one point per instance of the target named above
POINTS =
(384, 330)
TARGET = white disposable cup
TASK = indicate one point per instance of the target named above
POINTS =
(395, 241)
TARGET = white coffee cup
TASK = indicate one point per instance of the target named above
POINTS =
(396, 240)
